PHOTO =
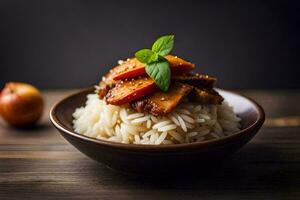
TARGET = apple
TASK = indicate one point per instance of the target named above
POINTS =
(21, 104)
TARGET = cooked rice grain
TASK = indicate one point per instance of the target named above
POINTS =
(189, 122)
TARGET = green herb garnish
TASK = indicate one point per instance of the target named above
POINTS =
(157, 67)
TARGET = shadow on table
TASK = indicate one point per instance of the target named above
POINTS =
(253, 167)
(33, 130)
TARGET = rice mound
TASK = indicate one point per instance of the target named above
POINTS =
(189, 122)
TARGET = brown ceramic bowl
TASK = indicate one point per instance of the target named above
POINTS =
(141, 158)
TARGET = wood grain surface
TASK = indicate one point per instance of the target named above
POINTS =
(40, 164)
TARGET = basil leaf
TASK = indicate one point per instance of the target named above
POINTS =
(163, 45)
(145, 55)
(160, 72)
(154, 57)
(157, 67)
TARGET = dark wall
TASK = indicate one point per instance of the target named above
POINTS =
(63, 44)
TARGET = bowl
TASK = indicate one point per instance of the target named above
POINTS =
(152, 158)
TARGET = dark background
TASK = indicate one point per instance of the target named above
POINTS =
(64, 44)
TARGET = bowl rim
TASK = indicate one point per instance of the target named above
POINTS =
(167, 147)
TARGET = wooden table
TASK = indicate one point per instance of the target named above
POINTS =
(40, 164)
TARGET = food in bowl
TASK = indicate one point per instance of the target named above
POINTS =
(156, 99)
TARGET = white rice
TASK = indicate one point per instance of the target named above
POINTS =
(189, 122)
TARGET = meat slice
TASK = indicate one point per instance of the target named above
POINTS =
(130, 90)
(103, 90)
(162, 103)
(128, 69)
(205, 96)
(178, 65)
(197, 80)
(105, 85)
(134, 68)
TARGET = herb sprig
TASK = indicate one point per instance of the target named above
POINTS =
(157, 67)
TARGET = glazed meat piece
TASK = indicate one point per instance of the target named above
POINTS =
(206, 96)
(197, 80)
(105, 85)
(134, 68)
(130, 90)
(162, 103)
(103, 90)
(178, 65)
